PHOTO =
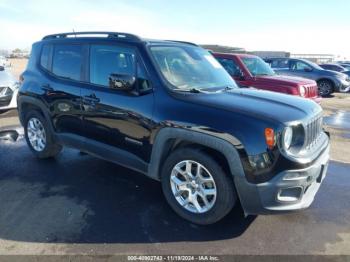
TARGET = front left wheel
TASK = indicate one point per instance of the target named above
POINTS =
(38, 136)
(196, 186)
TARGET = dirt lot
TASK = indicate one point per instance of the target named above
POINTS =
(18, 66)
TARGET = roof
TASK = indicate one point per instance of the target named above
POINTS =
(110, 35)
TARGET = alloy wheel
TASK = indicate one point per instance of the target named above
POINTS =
(193, 186)
(36, 134)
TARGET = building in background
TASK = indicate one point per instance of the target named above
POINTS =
(224, 49)
(269, 54)
(317, 58)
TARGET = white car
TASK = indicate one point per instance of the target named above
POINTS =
(4, 62)
(8, 90)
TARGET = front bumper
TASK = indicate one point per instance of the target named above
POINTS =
(9, 102)
(289, 190)
(316, 99)
(343, 86)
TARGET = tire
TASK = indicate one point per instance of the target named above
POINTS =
(47, 148)
(218, 206)
(325, 88)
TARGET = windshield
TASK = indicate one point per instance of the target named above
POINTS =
(257, 66)
(190, 67)
(313, 65)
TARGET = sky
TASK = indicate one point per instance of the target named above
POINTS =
(297, 26)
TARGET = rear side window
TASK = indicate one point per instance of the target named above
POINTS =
(67, 60)
(231, 67)
(45, 55)
(280, 63)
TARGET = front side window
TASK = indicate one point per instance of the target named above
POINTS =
(257, 66)
(301, 66)
(231, 67)
(106, 60)
(189, 67)
(67, 61)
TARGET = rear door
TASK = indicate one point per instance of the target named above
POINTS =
(281, 66)
(113, 117)
(61, 65)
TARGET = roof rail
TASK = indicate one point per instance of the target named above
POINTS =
(118, 35)
(182, 42)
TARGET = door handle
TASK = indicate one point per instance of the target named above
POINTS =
(47, 87)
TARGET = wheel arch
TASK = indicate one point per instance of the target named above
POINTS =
(25, 104)
(168, 139)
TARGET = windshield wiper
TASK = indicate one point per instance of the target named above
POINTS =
(190, 90)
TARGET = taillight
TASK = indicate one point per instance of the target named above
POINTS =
(270, 137)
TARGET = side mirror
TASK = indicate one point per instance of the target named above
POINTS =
(9, 135)
(241, 75)
(122, 82)
(308, 69)
(2, 68)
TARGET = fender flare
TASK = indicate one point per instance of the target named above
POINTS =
(36, 102)
(165, 134)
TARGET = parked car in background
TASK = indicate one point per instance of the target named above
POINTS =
(4, 62)
(8, 90)
(346, 66)
(347, 73)
(333, 67)
(252, 71)
(169, 110)
(327, 81)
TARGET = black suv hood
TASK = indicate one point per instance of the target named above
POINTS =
(260, 104)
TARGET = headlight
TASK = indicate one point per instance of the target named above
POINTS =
(6, 91)
(293, 138)
(302, 91)
(287, 137)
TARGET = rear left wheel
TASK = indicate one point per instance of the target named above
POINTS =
(38, 136)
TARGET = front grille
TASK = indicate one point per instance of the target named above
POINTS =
(313, 130)
(311, 90)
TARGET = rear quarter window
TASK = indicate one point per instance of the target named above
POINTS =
(45, 56)
(67, 61)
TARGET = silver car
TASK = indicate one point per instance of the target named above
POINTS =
(327, 81)
(8, 90)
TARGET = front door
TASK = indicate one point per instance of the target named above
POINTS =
(117, 118)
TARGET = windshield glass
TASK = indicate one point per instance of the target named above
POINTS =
(190, 67)
(313, 65)
(257, 66)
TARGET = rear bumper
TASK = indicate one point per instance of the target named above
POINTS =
(288, 191)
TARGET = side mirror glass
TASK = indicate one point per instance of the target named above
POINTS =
(9, 135)
(2, 68)
(122, 82)
(307, 69)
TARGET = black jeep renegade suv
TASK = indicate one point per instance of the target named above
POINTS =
(170, 111)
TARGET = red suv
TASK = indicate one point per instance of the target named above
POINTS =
(252, 71)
